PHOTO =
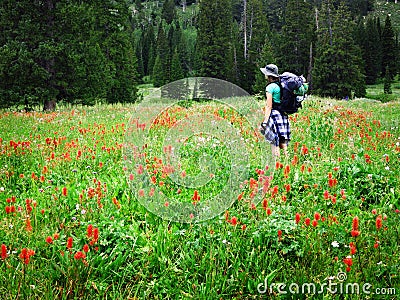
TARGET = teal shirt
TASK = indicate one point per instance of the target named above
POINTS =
(274, 89)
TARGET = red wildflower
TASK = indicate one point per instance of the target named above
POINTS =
(307, 221)
(64, 191)
(348, 261)
(26, 254)
(274, 191)
(3, 252)
(332, 182)
(304, 150)
(86, 248)
(355, 233)
(234, 221)
(116, 203)
(376, 245)
(244, 227)
(378, 222)
(265, 204)
(279, 234)
(269, 211)
(317, 216)
(314, 223)
(49, 240)
(95, 236)
(353, 248)
(355, 223)
(69, 242)
(28, 225)
(286, 171)
(253, 183)
(79, 255)
(240, 196)
(227, 216)
(196, 197)
(297, 218)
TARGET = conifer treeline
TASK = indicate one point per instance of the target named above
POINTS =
(88, 51)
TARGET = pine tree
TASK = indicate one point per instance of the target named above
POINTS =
(163, 54)
(371, 49)
(168, 11)
(176, 67)
(275, 12)
(387, 86)
(296, 38)
(178, 89)
(338, 71)
(158, 77)
(116, 42)
(66, 50)
(388, 49)
(214, 39)
(149, 49)
(266, 57)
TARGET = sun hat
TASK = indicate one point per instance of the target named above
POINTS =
(270, 70)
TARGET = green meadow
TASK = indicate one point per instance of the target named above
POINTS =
(325, 226)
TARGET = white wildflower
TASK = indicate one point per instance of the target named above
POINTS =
(335, 244)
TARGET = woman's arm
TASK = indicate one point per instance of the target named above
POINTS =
(268, 107)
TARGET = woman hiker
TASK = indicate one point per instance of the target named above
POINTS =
(275, 127)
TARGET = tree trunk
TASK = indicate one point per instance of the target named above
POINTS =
(310, 66)
(245, 27)
(49, 105)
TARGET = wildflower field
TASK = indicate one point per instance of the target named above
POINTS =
(73, 225)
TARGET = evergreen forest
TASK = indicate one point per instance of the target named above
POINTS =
(100, 51)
